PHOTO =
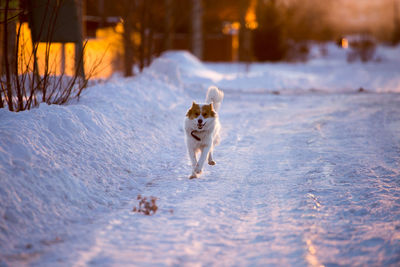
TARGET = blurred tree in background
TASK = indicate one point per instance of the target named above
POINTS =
(8, 19)
(307, 20)
(396, 23)
(269, 37)
(141, 21)
(284, 27)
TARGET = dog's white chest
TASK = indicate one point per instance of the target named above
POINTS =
(198, 138)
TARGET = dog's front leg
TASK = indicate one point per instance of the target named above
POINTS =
(202, 159)
(210, 158)
(192, 156)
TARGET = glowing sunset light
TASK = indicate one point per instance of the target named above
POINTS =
(311, 256)
(100, 53)
(345, 43)
(251, 18)
(372, 16)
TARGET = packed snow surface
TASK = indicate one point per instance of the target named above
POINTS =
(307, 171)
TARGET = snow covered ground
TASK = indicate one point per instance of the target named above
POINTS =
(307, 172)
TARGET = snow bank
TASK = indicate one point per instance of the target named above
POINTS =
(327, 71)
(61, 164)
(193, 71)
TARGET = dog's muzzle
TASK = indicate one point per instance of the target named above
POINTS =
(200, 126)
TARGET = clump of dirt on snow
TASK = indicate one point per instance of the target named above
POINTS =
(146, 206)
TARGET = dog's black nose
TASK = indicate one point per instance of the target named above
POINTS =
(200, 121)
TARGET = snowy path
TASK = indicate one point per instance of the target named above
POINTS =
(300, 180)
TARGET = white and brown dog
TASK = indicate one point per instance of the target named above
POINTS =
(202, 130)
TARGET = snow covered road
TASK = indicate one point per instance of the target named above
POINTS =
(306, 177)
(300, 180)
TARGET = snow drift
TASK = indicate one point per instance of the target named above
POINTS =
(61, 164)
(326, 72)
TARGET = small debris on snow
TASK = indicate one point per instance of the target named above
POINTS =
(146, 206)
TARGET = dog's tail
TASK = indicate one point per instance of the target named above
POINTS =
(214, 96)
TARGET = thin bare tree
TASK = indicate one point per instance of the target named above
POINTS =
(197, 28)
(169, 24)
(128, 23)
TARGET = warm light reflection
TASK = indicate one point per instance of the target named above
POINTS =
(233, 30)
(250, 15)
(251, 19)
(100, 59)
(235, 25)
(252, 25)
(311, 248)
(374, 16)
(345, 43)
(311, 255)
(226, 28)
(235, 46)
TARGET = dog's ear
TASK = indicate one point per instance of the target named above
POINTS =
(189, 112)
(213, 113)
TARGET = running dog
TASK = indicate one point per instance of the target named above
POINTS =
(202, 130)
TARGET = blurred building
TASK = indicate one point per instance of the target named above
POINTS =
(175, 14)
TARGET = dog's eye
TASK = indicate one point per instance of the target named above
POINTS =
(196, 114)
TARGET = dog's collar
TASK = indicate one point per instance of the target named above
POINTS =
(195, 136)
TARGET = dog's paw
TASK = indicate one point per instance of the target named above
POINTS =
(197, 169)
(193, 176)
(211, 162)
